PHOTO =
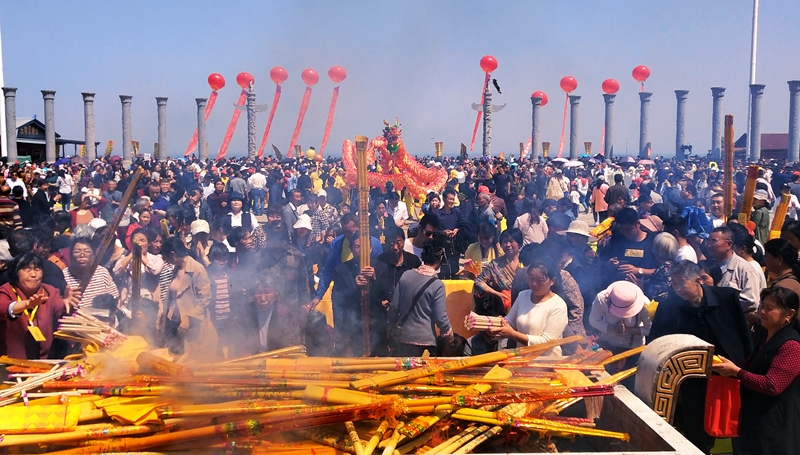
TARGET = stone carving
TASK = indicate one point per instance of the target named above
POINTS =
(487, 110)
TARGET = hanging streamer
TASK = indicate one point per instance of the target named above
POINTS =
(527, 149)
(603, 140)
(223, 149)
(563, 125)
(275, 100)
(299, 124)
(193, 143)
(329, 123)
(310, 77)
(478, 117)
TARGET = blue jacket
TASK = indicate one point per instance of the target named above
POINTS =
(335, 258)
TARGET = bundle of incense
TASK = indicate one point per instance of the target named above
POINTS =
(458, 440)
(355, 441)
(376, 438)
(747, 196)
(329, 438)
(150, 363)
(474, 321)
(780, 217)
(228, 408)
(522, 397)
(36, 381)
(483, 437)
(84, 327)
(389, 379)
(291, 350)
(80, 433)
(392, 442)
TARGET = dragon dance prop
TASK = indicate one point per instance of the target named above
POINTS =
(149, 402)
(395, 165)
(217, 82)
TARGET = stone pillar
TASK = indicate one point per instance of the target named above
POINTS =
(794, 121)
(88, 125)
(487, 120)
(608, 145)
(574, 146)
(644, 108)
(680, 122)
(716, 122)
(251, 122)
(10, 94)
(202, 151)
(161, 103)
(127, 146)
(49, 125)
(536, 103)
(754, 135)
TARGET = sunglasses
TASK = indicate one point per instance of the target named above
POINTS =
(430, 234)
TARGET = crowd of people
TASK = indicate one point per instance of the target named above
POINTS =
(233, 257)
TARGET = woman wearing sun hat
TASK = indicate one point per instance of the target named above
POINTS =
(620, 315)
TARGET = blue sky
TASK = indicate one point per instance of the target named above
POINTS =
(416, 60)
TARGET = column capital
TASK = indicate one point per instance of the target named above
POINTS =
(681, 94)
(717, 92)
(87, 96)
(201, 101)
(161, 100)
(645, 96)
(609, 97)
(757, 89)
(9, 91)
(794, 86)
(49, 94)
(574, 99)
(537, 100)
(125, 98)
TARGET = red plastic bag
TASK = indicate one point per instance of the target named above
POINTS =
(723, 404)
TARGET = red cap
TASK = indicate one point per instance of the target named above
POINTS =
(483, 189)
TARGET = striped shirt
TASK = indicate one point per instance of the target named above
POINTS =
(222, 300)
(9, 214)
(101, 283)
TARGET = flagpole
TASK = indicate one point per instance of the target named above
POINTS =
(753, 49)
(3, 130)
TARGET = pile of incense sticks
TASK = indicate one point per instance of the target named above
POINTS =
(82, 327)
(474, 321)
(285, 403)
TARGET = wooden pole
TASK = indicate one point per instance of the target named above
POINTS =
(112, 232)
(363, 226)
(727, 184)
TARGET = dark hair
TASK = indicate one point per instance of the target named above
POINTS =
(393, 232)
(42, 236)
(530, 207)
(174, 245)
(486, 228)
(686, 269)
(236, 236)
(274, 210)
(725, 231)
(448, 192)
(549, 272)
(785, 298)
(432, 252)
(677, 224)
(660, 210)
(23, 261)
(81, 241)
(62, 220)
(742, 238)
(783, 249)
(711, 267)
(427, 220)
(218, 252)
(20, 241)
(349, 218)
(514, 233)
(626, 216)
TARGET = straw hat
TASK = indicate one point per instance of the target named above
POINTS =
(761, 195)
(624, 299)
(580, 228)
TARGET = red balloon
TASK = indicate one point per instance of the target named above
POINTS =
(309, 76)
(641, 73)
(488, 63)
(610, 86)
(216, 81)
(542, 95)
(278, 75)
(337, 74)
(568, 83)
(244, 80)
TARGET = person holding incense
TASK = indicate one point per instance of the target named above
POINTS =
(538, 315)
(82, 256)
(29, 309)
(486, 249)
(419, 306)
(492, 289)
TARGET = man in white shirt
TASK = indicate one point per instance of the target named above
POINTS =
(398, 211)
(716, 208)
(679, 228)
(257, 190)
(16, 181)
(427, 229)
(737, 273)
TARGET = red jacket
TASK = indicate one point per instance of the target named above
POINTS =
(18, 340)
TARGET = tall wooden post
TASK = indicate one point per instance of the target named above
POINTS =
(727, 184)
(363, 227)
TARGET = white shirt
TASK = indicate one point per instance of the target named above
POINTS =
(409, 247)
(236, 220)
(542, 322)
(257, 181)
(12, 183)
(686, 253)
(400, 213)
(794, 204)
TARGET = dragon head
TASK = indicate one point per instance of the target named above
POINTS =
(393, 135)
